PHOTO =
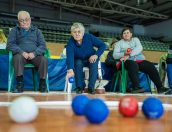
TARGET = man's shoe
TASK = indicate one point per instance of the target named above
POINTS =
(79, 90)
(19, 87)
(42, 87)
(138, 90)
(91, 91)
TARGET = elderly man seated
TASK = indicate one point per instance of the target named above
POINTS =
(28, 46)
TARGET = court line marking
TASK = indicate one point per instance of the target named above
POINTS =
(68, 103)
(73, 93)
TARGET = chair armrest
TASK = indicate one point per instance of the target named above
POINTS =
(47, 53)
(169, 55)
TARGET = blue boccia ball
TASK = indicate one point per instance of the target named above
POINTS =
(78, 104)
(71, 79)
(96, 111)
(152, 108)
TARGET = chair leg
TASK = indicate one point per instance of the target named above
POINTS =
(123, 79)
(10, 78)
(34, 79)
(10, 72)
(47, 83)
(149, 83)
(116, 78)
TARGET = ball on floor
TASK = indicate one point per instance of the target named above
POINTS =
(152, 108)
(96, 111)
(128, 106)
(23, 110)
(78, 104)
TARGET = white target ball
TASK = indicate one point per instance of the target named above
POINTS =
(23, 110)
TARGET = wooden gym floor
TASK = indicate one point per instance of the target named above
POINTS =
(55, 118)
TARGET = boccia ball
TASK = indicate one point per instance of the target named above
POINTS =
(129, 49)
(96, 111)
(71, 79)
(128, 106)
(23, 110)
(152, 108)
(78, 104)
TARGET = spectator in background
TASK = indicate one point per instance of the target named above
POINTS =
(28, 46)
(169, 68)
(80, 52)
(110, 61)
(63, 54)
(129, 50)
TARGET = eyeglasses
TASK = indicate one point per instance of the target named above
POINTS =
(24, 20)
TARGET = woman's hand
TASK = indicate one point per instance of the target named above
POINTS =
(128, 51)
(93, 58)
(124, 58)
(70, 73)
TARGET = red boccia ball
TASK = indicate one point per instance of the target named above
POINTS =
(129, 50)
(128, 106)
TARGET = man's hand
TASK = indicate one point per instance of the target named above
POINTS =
(93, 58)
(25, 55)
(31, 56)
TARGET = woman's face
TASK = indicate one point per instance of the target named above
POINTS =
(127, 35)
(77, 34)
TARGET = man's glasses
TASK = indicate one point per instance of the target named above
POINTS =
(24, 20)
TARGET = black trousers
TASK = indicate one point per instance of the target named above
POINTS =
(146, 67)
(40, 62)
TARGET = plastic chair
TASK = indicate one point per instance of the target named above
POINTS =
(121, 77)
(27, 66)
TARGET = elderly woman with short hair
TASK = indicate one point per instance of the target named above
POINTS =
(81, 52)
(129, 50)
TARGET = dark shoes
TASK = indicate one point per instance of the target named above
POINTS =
(42, 87)
(19, 87)
(168, 92)
(91, 91)
(79, 90)
(165, 91)
(138, 90)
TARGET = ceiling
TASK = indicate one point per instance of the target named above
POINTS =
(143, 12)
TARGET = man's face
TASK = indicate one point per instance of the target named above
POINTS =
(24, 21)
(127, 35)
(77, 34)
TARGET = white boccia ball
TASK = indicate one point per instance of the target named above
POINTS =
(23, 110)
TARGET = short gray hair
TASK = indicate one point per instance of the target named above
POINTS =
(78, 25)
(23, 12)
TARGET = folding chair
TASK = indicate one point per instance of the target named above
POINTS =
(100, 83)
(121, 79)
(27, 66)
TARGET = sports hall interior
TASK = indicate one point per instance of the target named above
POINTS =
(151, 21)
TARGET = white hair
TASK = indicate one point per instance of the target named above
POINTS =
(78, 25)
(23, 12)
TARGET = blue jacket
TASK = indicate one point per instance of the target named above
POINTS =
(85, 50)
(20, 40)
